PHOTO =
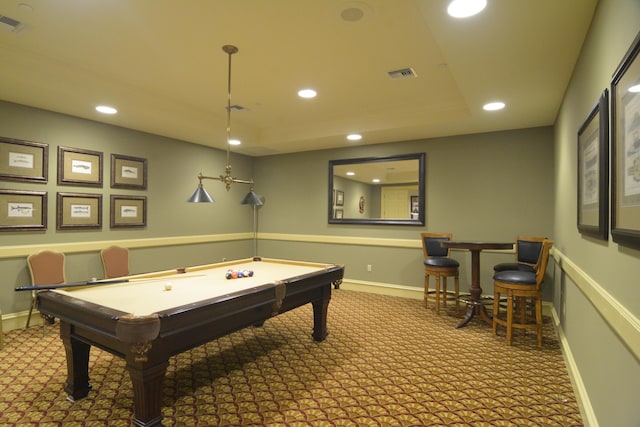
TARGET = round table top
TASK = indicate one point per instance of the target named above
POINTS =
(456, 244)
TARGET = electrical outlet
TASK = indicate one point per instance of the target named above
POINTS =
(369, 267)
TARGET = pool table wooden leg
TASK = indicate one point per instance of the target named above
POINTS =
(320, 308)
(77, 385)
(147, 392)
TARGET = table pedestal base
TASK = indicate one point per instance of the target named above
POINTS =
(474, 306)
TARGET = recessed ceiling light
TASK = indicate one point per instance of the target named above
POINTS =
(350, 173)
(234, 142)
(307, 93)
(465, 8)
(493, 106)
(104, 109)
(375, 180)
(354, 137)
(635, 88)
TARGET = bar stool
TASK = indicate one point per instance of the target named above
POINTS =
(520, 286)
(528, 250)
(437, 263)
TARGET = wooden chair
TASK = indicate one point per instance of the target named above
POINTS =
(528, 250)
(45, 268)
(521, 287)
(115, 261)
(437, 263)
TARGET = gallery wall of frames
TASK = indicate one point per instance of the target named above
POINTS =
(612, 127)
(79, 208)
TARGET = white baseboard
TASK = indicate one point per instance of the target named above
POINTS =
(586, 410)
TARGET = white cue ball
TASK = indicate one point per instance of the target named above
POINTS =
(168, 286)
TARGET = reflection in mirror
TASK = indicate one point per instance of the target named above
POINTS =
(378, 190)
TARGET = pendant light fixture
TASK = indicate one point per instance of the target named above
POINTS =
(201, 195)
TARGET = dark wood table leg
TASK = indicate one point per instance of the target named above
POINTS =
(77, 352)
(474, 304)
(147, 393)
(320, 308)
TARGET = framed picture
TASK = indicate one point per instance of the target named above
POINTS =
(338, 214)
(625, 153)
(339, 198)
(79, 167)
(23, 210)
(593, 171)
(23, 160)
(128, 172)
(77, 211)
(415, 207)
(128, 211)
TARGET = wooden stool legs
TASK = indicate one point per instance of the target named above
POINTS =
(441, 293)
(517, 307)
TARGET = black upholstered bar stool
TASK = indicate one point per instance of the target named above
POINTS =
(522, 288)
(528, 250)
(437, 263)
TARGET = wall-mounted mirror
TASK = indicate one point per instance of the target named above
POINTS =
(378, 190)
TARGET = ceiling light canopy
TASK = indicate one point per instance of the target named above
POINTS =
(105, 109)
(493, 106)
(201, 195)
(466, 8)
(307, 93)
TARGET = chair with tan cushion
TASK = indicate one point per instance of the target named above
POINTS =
(522, 289)
(45, 268)
(437, 263)
(115, 261)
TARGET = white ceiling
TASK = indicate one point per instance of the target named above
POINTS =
(160, 62)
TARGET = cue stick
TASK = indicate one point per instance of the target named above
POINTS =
(97, 283)
(71, 285)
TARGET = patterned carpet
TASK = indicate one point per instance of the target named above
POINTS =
(387, 361)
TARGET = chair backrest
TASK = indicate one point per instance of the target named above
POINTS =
(529, 249)
(544, 260)
(46, 268)
(115, 261)
(431, 244)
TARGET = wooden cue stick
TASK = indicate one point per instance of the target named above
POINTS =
(71, 285)
(99, 283)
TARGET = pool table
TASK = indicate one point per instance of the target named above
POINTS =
(151, 317)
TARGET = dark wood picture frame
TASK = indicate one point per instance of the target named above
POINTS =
(79, 167)
(23, 210)
(128, 172)
(593, 171)
(625, 151)
(24, 160)
(128, 211)
(78, 211)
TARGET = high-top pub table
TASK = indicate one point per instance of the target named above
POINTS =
(474, 303)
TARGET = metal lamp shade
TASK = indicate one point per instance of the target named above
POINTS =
(200, 196)
(251, 199)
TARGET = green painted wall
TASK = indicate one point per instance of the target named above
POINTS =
(490, 186)
(606, 365)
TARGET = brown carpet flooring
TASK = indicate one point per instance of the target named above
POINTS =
(387, 361)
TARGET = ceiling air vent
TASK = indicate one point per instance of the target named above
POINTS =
(10, 24)
(404, 73)
(235, 107)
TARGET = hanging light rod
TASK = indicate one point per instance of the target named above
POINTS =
(201, 195)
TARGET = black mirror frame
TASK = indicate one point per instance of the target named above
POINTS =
(421, 190)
